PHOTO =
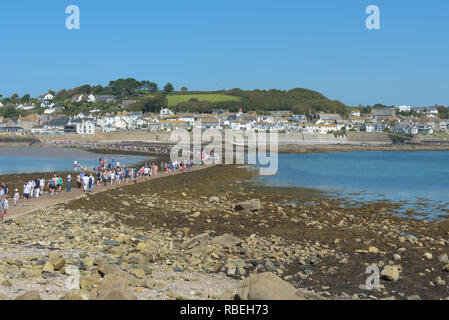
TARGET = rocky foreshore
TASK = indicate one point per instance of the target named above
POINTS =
(210, 235)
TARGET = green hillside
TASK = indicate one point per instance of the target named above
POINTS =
(175, 99)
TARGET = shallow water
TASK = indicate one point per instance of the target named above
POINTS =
(28, 160)
(417, 180)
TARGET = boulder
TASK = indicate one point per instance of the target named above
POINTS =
(148, 250)
(428, 256)
(250, 205)
(214, 200)
(31, 295)
(72, 296)
(390, 273)
(226, 241)
(268, 286)
(443, 258)
(114, 289)
(48, 267)
(107, 271)
(192, 242)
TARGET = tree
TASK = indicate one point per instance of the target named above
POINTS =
(51, 92)
(145, 85)
(184, 89)
(153, 87)
(169, 88)
(61, 92)
(10, 112)
(154, 104)
(14, 96)
(25, 98)
(124, 87)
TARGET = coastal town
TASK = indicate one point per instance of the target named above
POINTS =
(44, 116)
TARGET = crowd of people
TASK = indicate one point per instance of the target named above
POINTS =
(107, 173)
(102, 146)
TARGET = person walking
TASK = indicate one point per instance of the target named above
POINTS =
(69, 181)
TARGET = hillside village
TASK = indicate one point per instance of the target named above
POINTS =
(53, 120)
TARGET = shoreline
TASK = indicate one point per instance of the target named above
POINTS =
(307, 149)
(282, 148)
(313, 242)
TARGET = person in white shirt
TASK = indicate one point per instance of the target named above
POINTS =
(42, 184)
(85, 182)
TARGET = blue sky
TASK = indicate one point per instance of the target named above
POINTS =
(321, 45)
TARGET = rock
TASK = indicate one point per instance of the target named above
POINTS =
(373, 250)
(446, 268)
(48, 267)
(111, 242)
(214, 199)
(268, 286)
(193, 242)
(31, 295)
(114, 289)
(139, 273)
(31, 273)
(251, 205)
(148, 250)
(88, 283)
(72, 296)
(231, 268)
(428, 256)
(226, 241)
(269, 266)
(390, 273)
(186, 231)
(108, 271)
(58, 264)
(414, 297)
(397, 257)
(440, 281)
(6, 283)
(443, 258)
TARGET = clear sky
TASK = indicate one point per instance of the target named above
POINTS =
(321, 45)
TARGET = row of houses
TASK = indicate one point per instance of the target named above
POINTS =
(379, 120)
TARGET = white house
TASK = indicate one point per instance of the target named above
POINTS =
(91, 98)
(49, 111)
(188, 119)
(405, 108)
(83, 126)
(45, 97)
(81, 116)
(368, 127)
(81, 97)
(242, 125)
(77, 98)
(433, 111)
(166, 112)
(47, 104)
(355, 113)
(25, 108)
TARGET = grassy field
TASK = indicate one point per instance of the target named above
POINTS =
(173, 100)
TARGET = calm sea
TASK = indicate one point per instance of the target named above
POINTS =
(28, 160)
(418, 180)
